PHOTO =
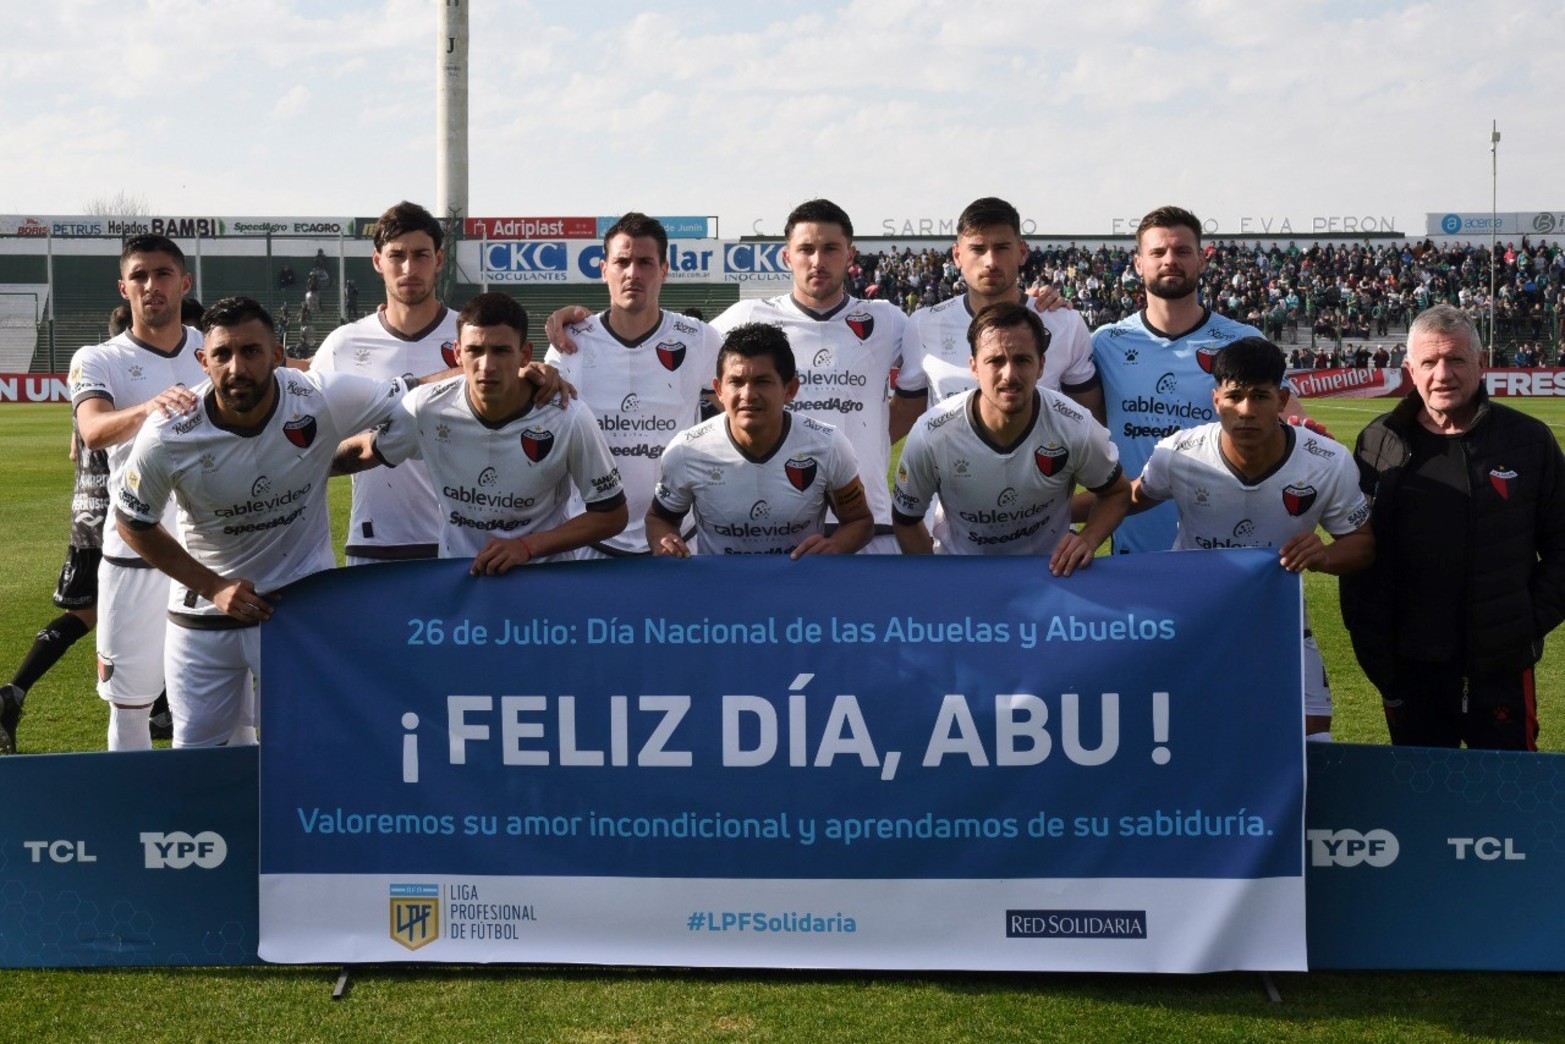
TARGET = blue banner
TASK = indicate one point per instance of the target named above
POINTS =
(142, 858)
(868, 739)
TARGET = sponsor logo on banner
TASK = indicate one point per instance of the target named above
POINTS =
(1503, 481)
(801, 472)
(526, 261)
(531, 228)
(32, 227)
(537, 444)
(755, 263)
(1487, 849)
(59, 851)
(301, 431)
(178, 850)
(1351, 383)
(1075, 924)
(1513, 383)
(415, 914)
(1050, 458)
(36, 387)
(1377, 848)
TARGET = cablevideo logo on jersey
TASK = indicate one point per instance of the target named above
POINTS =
(526, 261)
(755, 263)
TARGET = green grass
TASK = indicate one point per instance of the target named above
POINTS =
(464, 1003)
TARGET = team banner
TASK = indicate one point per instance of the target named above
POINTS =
(870, 762)
(127, 859)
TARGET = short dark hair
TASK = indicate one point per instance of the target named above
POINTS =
(754, 340)
(1250, 361)
(190, 311)
(407, 217)
(494, 309)
(235, 311)
(986, 212)
(1005, 316)
(1169, 217)
(119, 319)
(152, 243)
(637, 225)
(818, 212)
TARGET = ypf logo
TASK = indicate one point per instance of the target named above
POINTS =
(1378, 848)
(177, 850)
(1451, 224)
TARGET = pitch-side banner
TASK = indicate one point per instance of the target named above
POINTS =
(847, 763)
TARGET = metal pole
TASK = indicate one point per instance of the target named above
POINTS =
(1494, 195)
(54, 363)
(451, 131)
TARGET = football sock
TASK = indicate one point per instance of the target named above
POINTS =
(48, 646)
(129, 728)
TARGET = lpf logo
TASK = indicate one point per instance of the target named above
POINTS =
(415, 914)
(177, 850)
(1378, 848)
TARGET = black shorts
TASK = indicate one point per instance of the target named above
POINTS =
(78, 586)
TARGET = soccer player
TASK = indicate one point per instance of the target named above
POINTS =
(248, 470)
(1251, 480)
(395, 516)
(504, 461)
(144, 372)
(1156, 365)
(1004, 458)
(990, 251)
(758, 476)
(641, 369)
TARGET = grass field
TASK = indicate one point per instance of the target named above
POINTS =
(448, 1004)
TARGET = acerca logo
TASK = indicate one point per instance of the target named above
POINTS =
(1378, 848)
(1167, 385)
(754, 258)
(1451, 224)
(177, 850)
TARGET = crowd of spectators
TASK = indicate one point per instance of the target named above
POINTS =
(1332, 293)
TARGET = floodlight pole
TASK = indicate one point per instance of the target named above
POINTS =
(451, 129)
(1494, 195)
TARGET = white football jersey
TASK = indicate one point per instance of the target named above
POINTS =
(935, 352)
(845, 358)
(395, 514)
(503, 480)
(643, 393)
(749, 506)
(1315, 483)
(252, 504)
(1001, 500)
(127, 372)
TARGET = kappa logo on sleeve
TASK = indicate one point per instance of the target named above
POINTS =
(537, 444)
(671, 354)
(801, 472)
(301, 431)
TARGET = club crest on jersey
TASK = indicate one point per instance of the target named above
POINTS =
(301, 431)
(861, 323)
(800, 472)
(1204, 357)
(1504, 482)
(448, 353)
(1298, 499)
(671, 354)
(1050, 458)
(537, 444)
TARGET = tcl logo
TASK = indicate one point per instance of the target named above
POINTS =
(177, 850)
(59, 851)
(1350, 848)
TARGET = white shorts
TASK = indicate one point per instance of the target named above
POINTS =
(1317, 691)
(132, 621)
(885, 544)
(211, 683)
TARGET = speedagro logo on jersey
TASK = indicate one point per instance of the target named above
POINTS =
(861, 323)
(300, 431)
(537, 444)
(1504, 482)
(1051, 458)
(671, 354)
(800, 472)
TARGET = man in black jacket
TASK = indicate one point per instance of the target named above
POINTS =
(1469, 519)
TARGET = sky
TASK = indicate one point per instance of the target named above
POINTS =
(1084, 115)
